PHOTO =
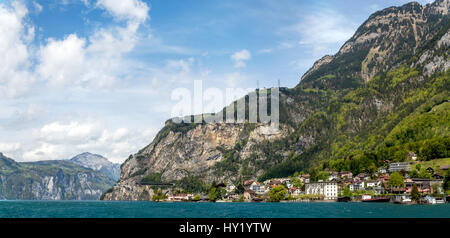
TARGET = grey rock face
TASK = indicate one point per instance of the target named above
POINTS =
(194, 153)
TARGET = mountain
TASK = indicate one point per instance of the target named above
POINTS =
(383, 95)
(98, 163)
(50, 180)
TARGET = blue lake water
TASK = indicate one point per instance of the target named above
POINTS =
(121, 209)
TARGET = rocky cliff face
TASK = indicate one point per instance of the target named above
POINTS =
(345, 106)
(98, 163)
(50, 180)
(199, 152)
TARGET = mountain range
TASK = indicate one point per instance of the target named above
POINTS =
(84, 177)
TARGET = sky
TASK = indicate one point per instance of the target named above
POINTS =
(98, 75)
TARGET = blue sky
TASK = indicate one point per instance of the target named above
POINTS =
(97, 75)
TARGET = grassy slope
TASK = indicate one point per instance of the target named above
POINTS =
(436, 164)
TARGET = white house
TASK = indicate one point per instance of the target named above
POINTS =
(327, 189)
(357, 186)
(295, 191)
(373, 183)
(400, 166)
(258, 188)
(305, 178)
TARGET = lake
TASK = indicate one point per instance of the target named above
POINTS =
(127, 209)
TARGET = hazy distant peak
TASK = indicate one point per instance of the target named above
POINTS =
(98, 163)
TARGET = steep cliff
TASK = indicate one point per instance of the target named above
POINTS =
(50, 180)
(384, 93)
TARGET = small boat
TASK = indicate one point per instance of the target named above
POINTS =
(440, 201)
(402, 199)
(376, 199)
(344, 199)
(407, 200)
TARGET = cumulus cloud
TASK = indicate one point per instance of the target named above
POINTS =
(15, 75)
(63, 61)
(240, 58)
(60, 139)
(71, 132)
(96, 61)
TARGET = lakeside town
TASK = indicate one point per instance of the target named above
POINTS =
(399, 182)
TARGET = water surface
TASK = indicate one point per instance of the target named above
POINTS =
(122, 209)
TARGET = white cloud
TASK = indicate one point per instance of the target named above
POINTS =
(240, 58)
(183, 65)
(45, 151)
(9, 147)
(324, 31)
(73, 132)
(60, 140)
(120, 133)
(98, 60)
(38, 7)
(133, 10)
(15, 75)
(23, 117)
(62, 62)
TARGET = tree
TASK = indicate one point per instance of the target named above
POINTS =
(418, 167)
(196, 197)
(415, 195)
(296, 182)
(158, 196)
(192, 184)
(216, 194)
(239, 189)
(435, 188)
(396, 180)
(446, 182)
(277, 193)
(413, 173)
(347, 192)
(423, 173)
(241, 198)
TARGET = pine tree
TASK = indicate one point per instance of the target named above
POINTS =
(415, 195)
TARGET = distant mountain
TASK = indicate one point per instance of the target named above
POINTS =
(98, 163)
(50, 180)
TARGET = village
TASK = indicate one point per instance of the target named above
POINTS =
(400, 182)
